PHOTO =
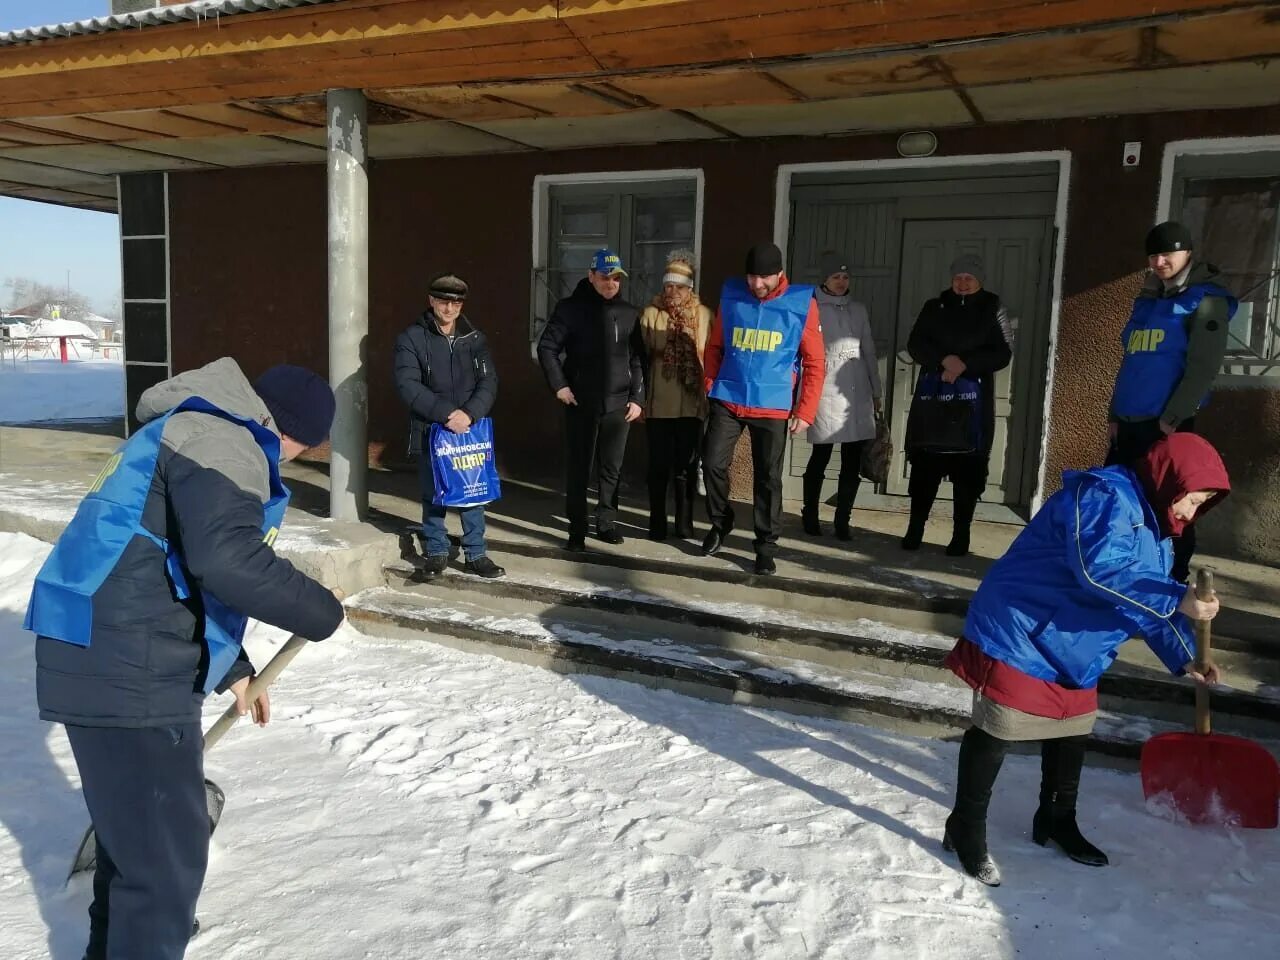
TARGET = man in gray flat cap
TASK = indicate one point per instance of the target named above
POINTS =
(445, 374)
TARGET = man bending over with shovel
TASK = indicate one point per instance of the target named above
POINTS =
(140, 611)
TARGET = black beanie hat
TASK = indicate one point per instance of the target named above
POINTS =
(1168, 237)
(301, 403)
(764, 260)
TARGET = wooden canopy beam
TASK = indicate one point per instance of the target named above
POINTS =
(398, 43)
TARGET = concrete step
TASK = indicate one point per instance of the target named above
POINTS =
(896, 598)
(839, 632)
(844, 681)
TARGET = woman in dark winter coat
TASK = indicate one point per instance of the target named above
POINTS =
(959, 334)
(1090, 570)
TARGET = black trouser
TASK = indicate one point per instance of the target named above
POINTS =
(673, 457)
(968, 473)
(768, 445)
(1133, 440)
(144, 788)
(846, 486)
(592, 434)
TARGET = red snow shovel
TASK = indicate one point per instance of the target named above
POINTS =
(87, 854)
(1211, 777)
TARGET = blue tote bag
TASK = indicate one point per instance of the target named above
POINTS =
(463, 466)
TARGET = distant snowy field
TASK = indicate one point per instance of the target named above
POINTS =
(412, 802)
(47, 389)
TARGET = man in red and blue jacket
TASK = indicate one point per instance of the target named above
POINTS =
(766, 330)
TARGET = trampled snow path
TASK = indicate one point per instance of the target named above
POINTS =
(411, 801)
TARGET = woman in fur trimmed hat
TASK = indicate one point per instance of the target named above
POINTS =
(675, 327)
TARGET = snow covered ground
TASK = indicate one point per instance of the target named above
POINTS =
(411, 801)
(42, 389)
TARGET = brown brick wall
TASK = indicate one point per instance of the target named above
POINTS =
(249, 274)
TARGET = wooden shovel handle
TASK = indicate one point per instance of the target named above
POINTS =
(1204, 591)
(259, 683)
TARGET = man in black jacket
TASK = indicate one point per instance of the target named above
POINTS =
(445, 374)
(601, 383)
(130, 692)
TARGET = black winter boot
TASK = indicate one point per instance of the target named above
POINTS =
(843, 530)
(812, 486)
(923, 490)
(914, 536)
(966, 832)
(657, 513)
(846, 493)
(844, 511)
(1061, 761)
(684, 509)
(962, 519)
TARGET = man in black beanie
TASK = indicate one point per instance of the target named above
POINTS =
(139, 612)
(765, 328)
(1173, 348)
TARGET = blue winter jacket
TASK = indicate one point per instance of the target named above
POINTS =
(1089, 571)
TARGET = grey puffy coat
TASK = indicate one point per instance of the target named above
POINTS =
(846, 410)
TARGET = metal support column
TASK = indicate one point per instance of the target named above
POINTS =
(348, 185)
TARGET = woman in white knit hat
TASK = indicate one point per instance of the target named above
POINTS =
(850, 396)
(675, 329)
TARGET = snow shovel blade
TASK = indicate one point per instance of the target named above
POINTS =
(87, 855)
(1213, 778)
(1209, 777)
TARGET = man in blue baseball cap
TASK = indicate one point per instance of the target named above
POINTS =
(592, 355)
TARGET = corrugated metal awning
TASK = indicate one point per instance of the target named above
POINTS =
(159, 16)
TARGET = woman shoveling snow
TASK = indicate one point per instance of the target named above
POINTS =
(1090, 570)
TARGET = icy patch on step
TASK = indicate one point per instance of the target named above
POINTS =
(753, 613)
(781, 670)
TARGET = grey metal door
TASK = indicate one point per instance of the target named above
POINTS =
(1015, 252)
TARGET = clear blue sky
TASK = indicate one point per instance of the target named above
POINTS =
(43, 241)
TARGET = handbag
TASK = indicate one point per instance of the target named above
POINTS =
(877, 455)
(463, 467)
(945, 417)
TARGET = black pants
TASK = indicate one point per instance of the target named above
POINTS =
(968, 473)
(673, 458)
(846, 486)
(1133, 440)
(144, 788)
(768, 445)
(589, 434)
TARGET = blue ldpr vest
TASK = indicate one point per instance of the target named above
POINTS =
(761, 343)
(108, 519)
(1155, 350)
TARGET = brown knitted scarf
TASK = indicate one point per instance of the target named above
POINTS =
(680, 353)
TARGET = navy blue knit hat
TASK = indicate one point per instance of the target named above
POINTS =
(300, 402)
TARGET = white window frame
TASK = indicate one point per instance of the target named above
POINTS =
(542, 184)
(1236, 371)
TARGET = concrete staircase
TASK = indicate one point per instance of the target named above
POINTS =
(866, 652)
